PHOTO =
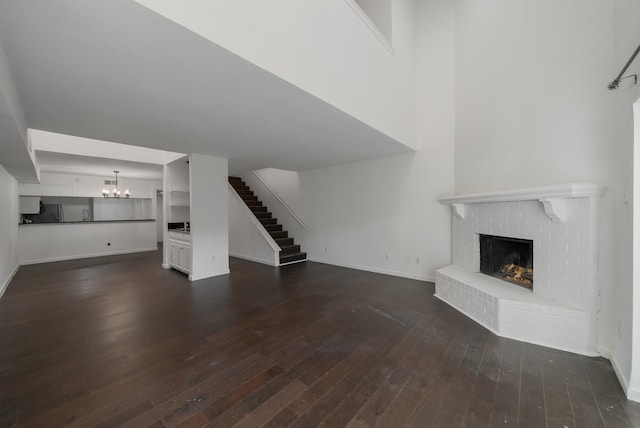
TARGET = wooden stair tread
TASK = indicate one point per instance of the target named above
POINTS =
(293, 257)
(289, 252)
(284, 241)
(272, 227)
(289, 249)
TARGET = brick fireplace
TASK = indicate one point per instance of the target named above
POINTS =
(561, 223)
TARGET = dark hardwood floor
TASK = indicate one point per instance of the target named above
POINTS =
(118, 341)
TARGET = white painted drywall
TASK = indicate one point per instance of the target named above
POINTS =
(175, 179)
(322, 47)
(245, 240)
(15, 153)
(176, 190)
(209, 216)
(40, 243)
(532, 108)
(11, 98)
(379, 12)
(160, 224)
(9, 218)
(626, 348)
(382, 215)
(74, 145)
(87, 185)
(623, 305)
(281, 193)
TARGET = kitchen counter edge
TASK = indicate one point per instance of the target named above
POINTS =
(89, 222)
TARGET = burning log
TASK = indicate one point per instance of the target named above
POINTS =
(519, 274)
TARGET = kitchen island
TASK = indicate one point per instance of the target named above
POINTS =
(48, 242)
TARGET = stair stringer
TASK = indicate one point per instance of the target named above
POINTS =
(248, 239)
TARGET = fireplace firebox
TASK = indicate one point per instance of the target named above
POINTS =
(509, 259)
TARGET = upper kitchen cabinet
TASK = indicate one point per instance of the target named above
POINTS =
(178, 190)
(29, 204)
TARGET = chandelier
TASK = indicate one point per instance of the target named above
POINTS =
(115, 193)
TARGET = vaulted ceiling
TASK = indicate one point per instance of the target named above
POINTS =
(116, 71)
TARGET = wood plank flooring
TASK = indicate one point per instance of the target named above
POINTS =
(118, 341)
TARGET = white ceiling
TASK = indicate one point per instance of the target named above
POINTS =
(118, 72)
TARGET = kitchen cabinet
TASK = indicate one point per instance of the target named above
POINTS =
(29, 204)
(180, 251)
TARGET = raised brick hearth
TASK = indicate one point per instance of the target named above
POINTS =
(562, 309)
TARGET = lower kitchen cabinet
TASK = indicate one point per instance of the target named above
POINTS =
(180, 251)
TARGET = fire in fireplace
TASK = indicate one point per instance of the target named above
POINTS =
(509, 259)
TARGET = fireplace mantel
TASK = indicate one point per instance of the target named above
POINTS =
(553, 198)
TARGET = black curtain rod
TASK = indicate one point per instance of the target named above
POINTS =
(616, 82)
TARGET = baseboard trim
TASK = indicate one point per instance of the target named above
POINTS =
(624, 382)
(293, 262)
(193, 279)
(87, 256)
(632, 393)
(8, 281)
(374, 270)
(252, 259)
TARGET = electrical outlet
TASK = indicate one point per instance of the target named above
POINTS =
(325, 248)
(417, 260)
(386, 256)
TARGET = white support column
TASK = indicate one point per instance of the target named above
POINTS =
(209, 216)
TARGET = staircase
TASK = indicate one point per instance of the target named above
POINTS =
(290, 252)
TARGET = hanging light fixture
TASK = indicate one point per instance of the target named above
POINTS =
(115, 193)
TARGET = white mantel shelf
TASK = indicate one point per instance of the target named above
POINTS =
(552, 197)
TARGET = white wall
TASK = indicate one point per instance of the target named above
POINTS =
(379, 12)
(271, 184)
(626, 347)
(71, 144)
(15, 151)
(532, 106)
(624, 304)
(322, 47)
(87, 185)
(9, 218)
(176, 190)
(160, 223)
(209, 216)
(45, 242)
(246, 240)
(10, 96)
(533, 109)
(382, 215)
